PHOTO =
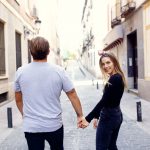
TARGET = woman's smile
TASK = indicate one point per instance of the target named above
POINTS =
(108, 65)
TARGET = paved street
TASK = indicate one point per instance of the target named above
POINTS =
(133, 135)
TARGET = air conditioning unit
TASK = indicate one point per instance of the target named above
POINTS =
(124, 9)
(132, 5)
(127, 9)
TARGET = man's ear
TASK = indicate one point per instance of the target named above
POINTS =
(48, 51)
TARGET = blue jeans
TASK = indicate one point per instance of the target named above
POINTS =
(36, 141)
(108, 128)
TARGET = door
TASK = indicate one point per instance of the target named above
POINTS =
(132, 58)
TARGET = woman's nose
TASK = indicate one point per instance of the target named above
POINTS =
(105, 66)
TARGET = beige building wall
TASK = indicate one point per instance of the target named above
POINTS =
(136, 22)
(144, 84)
(146, 14)
(13, 17)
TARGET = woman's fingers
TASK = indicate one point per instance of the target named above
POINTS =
(95, 123)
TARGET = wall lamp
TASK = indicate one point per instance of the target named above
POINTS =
(26, 32)
(37, 25)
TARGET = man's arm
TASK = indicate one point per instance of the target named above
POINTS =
(73, 97)
(19, 102)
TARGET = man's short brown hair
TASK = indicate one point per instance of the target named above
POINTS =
(39, 48)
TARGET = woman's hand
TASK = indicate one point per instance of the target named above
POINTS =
(83, 123)
(95, 123)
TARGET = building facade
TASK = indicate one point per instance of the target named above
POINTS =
(17, 22)
(94, 29)
(127, 38)
(144, 83)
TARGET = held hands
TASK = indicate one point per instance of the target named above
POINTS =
(82, 123)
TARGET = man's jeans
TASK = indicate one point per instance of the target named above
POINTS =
(108, 129)
(36, 141)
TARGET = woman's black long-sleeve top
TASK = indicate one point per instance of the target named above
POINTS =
(111, 98)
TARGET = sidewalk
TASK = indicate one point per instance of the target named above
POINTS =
(128, 105)
(16, 117)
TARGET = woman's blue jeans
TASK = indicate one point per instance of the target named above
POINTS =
(108, 129)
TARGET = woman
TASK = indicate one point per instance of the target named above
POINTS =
(108, 108)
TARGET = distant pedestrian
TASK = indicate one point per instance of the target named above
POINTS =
(38, 87)
(108, 109)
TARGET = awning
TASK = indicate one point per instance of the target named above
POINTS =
(113, 38)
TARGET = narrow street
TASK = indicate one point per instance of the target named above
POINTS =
(131, 137)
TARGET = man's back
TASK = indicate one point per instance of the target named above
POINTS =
(41, 85)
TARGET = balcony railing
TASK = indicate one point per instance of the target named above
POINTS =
(115, 21)
(127, 9)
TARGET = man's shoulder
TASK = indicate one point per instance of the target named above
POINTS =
(57, 67)
(22, 67)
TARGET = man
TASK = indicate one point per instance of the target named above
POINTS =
(38, 87)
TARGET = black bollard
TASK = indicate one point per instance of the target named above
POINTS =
(97, 85)
(9, 117)
(139, 111)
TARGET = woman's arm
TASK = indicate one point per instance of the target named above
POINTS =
(111, 89)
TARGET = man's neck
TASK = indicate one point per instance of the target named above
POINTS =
(43, 60)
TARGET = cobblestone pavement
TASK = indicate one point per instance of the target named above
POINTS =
(131, 136)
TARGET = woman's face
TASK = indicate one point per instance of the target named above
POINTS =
(108, 65)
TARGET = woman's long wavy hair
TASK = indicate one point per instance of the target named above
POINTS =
(116, 66)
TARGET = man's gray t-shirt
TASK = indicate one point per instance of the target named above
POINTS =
(41, 85)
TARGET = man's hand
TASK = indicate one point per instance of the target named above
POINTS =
(82, 123)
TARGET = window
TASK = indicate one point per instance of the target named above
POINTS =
(27, 7)
(29, 54)
(2, 50)
(18, 51)
(3, 97)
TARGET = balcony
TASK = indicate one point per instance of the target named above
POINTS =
(87, 43)
(115, 21)
(115, 15)
(127, 9)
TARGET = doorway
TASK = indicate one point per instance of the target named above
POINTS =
(132, 58)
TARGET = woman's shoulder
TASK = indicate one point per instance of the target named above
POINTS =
(116, 77)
